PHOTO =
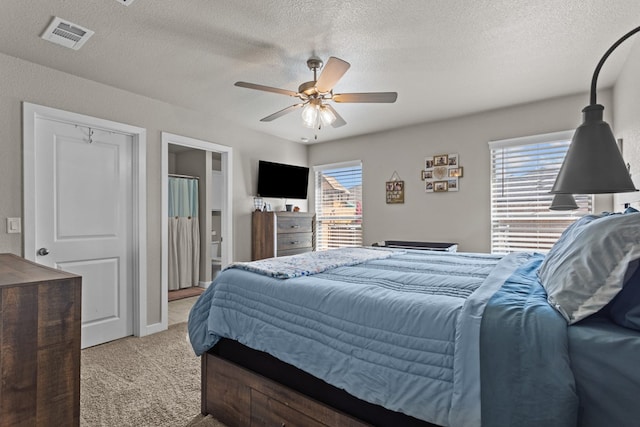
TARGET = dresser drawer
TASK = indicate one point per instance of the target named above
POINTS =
(297, 224)
(287, 241)
(266, 411)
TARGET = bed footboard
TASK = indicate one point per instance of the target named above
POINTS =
(241, 386)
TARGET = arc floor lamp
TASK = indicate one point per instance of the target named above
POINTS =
(563, 202)
(593, 163)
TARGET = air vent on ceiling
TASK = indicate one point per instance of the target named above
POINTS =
(66, 34)
(125, 2)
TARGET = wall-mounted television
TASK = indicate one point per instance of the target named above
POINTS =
(281, 180)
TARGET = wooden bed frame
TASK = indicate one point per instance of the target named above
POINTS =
(245, 387)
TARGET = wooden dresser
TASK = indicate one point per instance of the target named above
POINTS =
(40, 320)
(281, 233)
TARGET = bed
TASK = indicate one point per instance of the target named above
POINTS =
(372, 336)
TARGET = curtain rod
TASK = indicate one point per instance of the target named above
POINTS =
(173, 175)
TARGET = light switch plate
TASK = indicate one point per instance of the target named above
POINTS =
(14, 225)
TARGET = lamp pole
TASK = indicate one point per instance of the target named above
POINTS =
(594, 80)
(593, 164)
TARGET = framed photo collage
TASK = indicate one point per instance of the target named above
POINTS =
(442, 173)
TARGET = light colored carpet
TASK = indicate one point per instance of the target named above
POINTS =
(202, 421)
(148, 381)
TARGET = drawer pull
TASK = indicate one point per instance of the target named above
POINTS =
(295, 242)
(295, 226)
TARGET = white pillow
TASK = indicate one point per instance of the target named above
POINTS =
(586, 267)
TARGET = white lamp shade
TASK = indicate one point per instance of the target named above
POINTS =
(310, 114)
(327, 116)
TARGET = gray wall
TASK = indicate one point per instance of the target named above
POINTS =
(627, 110)
(463, 216)
(23, 81)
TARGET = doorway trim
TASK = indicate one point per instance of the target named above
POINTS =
(226, 154)
(31, 112)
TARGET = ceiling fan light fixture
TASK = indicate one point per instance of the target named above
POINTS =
(310, 114)
(326, 116)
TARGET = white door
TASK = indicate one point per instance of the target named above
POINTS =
(83, 220)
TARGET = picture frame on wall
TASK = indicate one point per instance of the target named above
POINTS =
(455, 172)
(428, 187)
(442, 173)
(441, 160)
(395, 192)
(428, 162)
(440, 186)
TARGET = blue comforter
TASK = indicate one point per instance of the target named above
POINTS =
(402, 332)
(526, 377)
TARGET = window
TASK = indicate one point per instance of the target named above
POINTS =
(338, 191)
(523, 171)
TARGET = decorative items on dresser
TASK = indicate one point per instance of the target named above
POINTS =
(40, 321)
(281, 233)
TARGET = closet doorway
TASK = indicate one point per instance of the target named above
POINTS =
(196, 183)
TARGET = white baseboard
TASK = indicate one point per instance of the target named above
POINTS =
(153, 329)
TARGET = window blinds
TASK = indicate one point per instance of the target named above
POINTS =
(338, 204)
(523, 171)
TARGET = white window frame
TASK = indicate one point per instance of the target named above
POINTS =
(351, 233)
(520, 208)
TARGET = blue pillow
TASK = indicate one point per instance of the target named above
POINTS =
(631, 210)
(624, 309)
(586, 268)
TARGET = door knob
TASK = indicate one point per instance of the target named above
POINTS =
(43, 251)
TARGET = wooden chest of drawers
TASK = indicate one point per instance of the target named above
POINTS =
(281, 233)
(39, 344)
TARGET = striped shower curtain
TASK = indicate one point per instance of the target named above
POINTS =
(184, 233)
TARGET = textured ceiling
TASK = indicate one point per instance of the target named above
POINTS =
(444, 57)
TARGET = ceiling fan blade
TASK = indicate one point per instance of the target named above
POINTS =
(331, 73)
(266, 88)
(339, 121)
(388, 97)
(281, 112)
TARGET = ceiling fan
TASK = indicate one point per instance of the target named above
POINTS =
(316, 94)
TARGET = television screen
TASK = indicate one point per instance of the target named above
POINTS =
(280, 180)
